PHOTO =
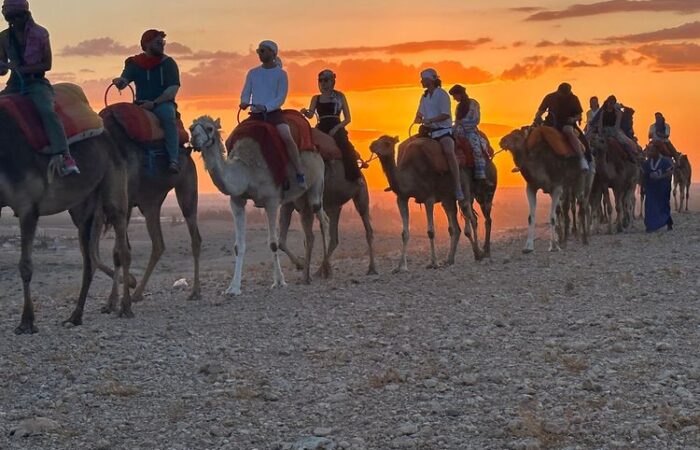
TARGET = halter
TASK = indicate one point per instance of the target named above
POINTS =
(211, 139)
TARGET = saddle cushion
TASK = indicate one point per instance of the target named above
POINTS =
(554, 138)
(664, 148)
(141, 125)
(326, 145)
(271, 144)
(79, 120)
(465, 147)
(429, 151)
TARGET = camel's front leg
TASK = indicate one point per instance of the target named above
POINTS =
(451, 212)
(430, 218)
(238, 210)
(405, 235)
(272, 240)
(324, 224)
(553, 236)
(286, 212)
(532, 202)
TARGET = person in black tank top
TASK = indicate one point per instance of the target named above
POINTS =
(329, 105)
(609, 126)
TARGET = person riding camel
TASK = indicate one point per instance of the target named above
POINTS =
(26, 50)
(264, 92)
(467, 119)
(157, 80)
(609, 125)
(591, 113)
(565, 112)
(660, 131)
(329, 105)
(435, 117)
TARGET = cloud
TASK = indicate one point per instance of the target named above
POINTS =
(579, 64)
(533, 67)
(527, 9)
(612, 56)
(618, 6)
(673, 57)
(98, 47)
(564, 43)
(686, 31)
(517, 44)
(392, 49)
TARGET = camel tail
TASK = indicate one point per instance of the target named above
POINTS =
(54, 168)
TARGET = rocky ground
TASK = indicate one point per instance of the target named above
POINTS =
(588, 348)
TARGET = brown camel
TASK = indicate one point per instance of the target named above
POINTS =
(543, 169)
(617, 171)
(682, 176)
(148, 188)
(336, 193)
(25, 188)
(416, 179)
(483, 193)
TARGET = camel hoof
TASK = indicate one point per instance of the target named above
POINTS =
(554, 248)
(107, 309)
(232, 292)
(432, 266)
(132, 282)
(478, 256)
(72, 322)
(282, 284)
(195, 296)
(448, 263)
(527, 251)
(126, 313)
(372, 271)
(400, 270)
(136, 298)
(26, 328)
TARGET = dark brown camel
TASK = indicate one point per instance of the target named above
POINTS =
(148, 188)
(482, 192)
(101, 186)
(682, 176)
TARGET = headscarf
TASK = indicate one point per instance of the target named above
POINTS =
(274, 48)
(11, 6)
(660, 125)
(150, 35)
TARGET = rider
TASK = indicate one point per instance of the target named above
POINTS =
(564, 112)
(435, 116)
(157, 80)
(467, 119)
(25, 49)
(591, 113)
(660, 130)
(264, 92)
(329, 105)
(609, 125)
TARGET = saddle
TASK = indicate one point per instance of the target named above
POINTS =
(465, 147)
(429, 151)
(79, 120)
(554, 139)
(142, 126)
(326, 145)
(664, 149)
(271, 144)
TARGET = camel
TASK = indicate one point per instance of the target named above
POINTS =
(148, 191)
(101, 186)
(337, 192)
(483, 194)
(554, 175)
(245, 176)
(682, 176)
(418, 181)
(617, 172)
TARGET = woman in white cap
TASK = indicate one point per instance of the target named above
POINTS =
(435, 116)
(264, 92)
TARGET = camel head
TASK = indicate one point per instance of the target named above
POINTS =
(516, 140)
(384, 146)
(205, 132)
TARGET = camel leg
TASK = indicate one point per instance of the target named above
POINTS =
(471, 225)
(553, 237)
(532, 202)
(486, 208)
(273, 242)
(454, 230)
(307, 224)
(151, 213)
(675, 199)
(324, 224)
(430, 218)
(28, 224)
(85, 230)
(619, 207)
(405, 234)
(187, 198)
(238, 210)
(286, 212)
(98, 227)
(687, 194)
(582, 217)
(334, 220)
(121, 253)
(361, 201)
(608, 209)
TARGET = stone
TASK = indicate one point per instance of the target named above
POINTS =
(38, 425)
(408, 429)
(314, 443)
(430, 383)
(322, 432)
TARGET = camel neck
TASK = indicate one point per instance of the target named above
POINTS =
(228, 175)
(389, 168)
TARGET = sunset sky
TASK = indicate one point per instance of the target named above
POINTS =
(508, 53)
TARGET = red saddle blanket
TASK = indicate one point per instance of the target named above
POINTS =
(554, 138)
(141, 125)
(271, 144)
(79, 120)
(664, 148)
(465, 147)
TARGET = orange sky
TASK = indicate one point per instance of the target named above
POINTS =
(507, 53)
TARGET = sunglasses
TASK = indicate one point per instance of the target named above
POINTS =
(324, 79)
(262, 50)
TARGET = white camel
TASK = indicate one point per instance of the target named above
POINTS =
(244, 176)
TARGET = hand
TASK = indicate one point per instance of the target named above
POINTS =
(244, 106)
(258, 109)
(418, 120)
(148, 105)
(120, 83)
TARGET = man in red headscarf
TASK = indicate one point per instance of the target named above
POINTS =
(157, 80)
(25, 49)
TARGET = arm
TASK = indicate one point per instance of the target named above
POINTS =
(474, 116)
(172, 80)
(309, 113)
(127, 76)
(168, 95)
(246, 93)
(280, 95)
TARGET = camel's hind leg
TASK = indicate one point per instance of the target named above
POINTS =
(84, 218)
(405, 234)
(532, 202)
(116, 212)
(675, 198)
(553, 236)
(187, 198)
(28, 223)
(430, 219)
(687, 194)
(286, 212)
(454, 230)
(273, 241)
(471, 228)
(361, 201)
(334, 221)
(307, 224)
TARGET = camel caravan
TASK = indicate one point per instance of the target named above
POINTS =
(57, 154)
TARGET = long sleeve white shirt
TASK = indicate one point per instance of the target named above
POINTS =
(266, 87)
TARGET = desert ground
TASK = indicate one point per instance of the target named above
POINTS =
(589, 348)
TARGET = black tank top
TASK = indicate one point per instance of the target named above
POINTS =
(609, 118)
(328, 114)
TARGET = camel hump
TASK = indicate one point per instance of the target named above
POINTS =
(553, 138)
(79, 121)
(422, 151)
(142, 126)
(326, 145)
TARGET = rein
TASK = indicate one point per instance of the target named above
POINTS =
(133, 94)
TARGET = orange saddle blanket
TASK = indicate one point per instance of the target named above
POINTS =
(271, 144)
(429, 151)
(141, 125)
(79, 120)
(554, 138)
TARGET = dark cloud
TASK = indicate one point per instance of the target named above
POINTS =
(673, 57)
(564, 43)
(98, 47)
(612, 56)
(579, 64)
(686, 31)
(618, 6)
(533, 67)
(527, 9)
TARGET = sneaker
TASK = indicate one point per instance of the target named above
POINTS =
(174, 167)
(69, 166)
(301, 180)
(584, 165)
